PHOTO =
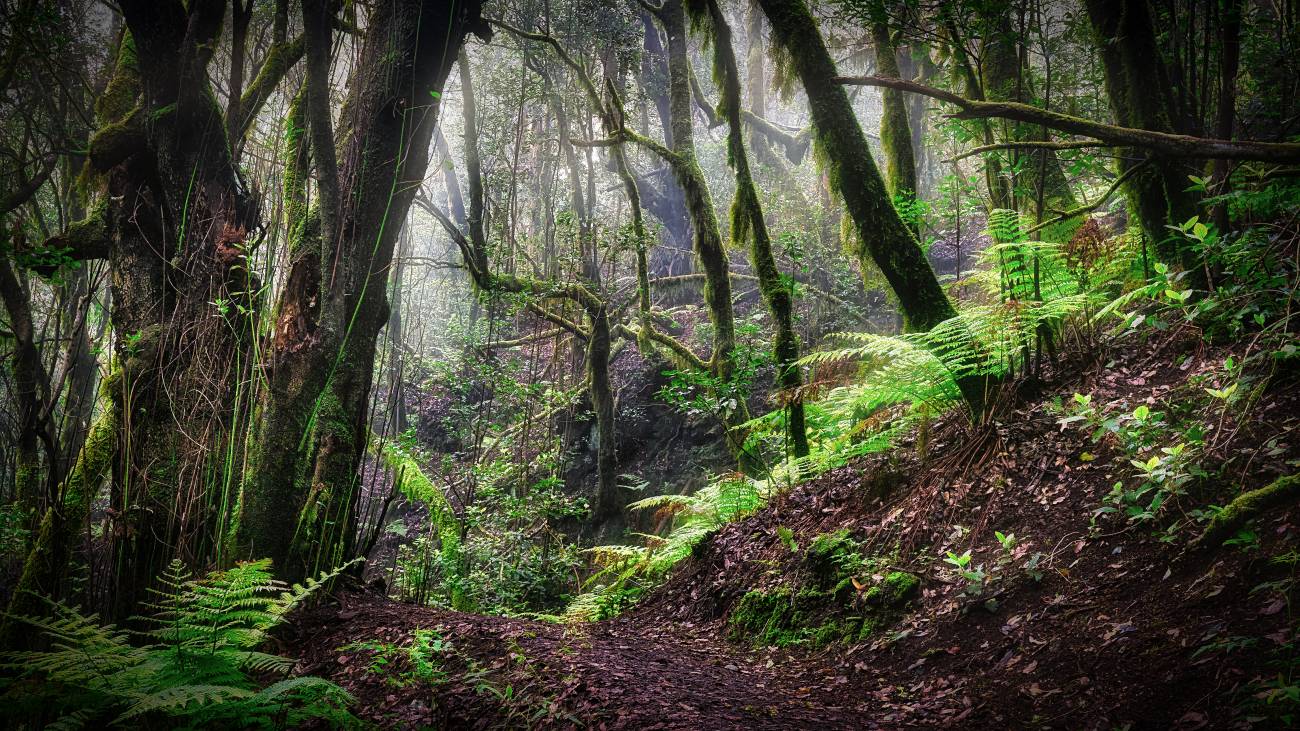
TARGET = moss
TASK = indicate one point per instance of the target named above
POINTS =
(116, 141)
(119, 97)
(819, 617)
(1248, 506)
(895, 590)
(766, 618)
(832, 558)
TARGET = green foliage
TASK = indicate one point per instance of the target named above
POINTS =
(1162, 473)
(971, 574)
(420, 662)
(199, 666)
(443, 524)
(697, 393)
(626, 572)
(913, 210)
(13, 530)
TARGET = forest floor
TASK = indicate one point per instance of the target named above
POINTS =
(1123, 628)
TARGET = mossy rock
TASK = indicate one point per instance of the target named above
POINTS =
(766, 617)
(831, 559)
(893, 591)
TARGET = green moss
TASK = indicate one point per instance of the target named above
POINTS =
(893, 591)
(119, 97)
(833, 559)
(162, 112)
(1248, 506)
(784, 616)
(766, 618)
(117, 140)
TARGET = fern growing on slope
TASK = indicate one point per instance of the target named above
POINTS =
(1033, 289)
(626, 572)
(417, 487)
(199, 668)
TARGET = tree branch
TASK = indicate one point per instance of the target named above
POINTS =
(1161, 143)
(279, 60)
(1029, 145)
(1089, 207)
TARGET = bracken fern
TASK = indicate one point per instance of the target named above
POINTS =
(197, 667)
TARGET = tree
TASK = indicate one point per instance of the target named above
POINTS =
(884, 239)
(747, 222)
(313, 417)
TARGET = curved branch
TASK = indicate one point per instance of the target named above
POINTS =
(796, 145)
(1162, 143)
(489, 282)
(1089, 207)
(27, 189)
(279, 60)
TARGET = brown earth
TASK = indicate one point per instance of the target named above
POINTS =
(1124, 629)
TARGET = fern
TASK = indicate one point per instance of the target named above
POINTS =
(417, 487)
(197, 665)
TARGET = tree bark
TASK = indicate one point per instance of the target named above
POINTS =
(895, 131)
(386, 129)
(884, 239)
(747, 222)
(1133, 68)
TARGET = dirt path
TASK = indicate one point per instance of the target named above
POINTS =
(493, 672)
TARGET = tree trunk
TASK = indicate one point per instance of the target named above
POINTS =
(895, 131)
(329, 319)
(884, 239)
(747, 222)
(708, 241)
(1003, 80)
(1131, 60)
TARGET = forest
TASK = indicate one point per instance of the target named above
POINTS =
(649, 364)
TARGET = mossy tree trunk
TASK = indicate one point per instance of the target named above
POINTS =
(895, 130)
(1137, 88)
(663, 199)
(331, 312)
(747, 222)
(177, 224)
(709, 252)
(884, 239)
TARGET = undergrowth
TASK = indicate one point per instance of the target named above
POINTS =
(196, 666)
(1037, 296)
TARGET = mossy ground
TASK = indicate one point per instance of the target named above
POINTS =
(838, 602)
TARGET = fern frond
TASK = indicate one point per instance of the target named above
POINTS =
(182, 699)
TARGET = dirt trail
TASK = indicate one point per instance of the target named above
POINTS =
(1118, 628)
(520, 673)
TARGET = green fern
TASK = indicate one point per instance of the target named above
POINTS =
(196, 668)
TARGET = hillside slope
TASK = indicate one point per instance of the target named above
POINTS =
(834, 607)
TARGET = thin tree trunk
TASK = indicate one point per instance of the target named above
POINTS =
(1130, 58)
(747, 222)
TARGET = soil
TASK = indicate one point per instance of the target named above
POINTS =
(1123, 628)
